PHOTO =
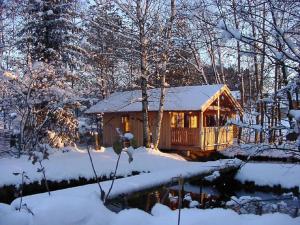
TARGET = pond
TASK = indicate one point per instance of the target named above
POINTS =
(212, 196)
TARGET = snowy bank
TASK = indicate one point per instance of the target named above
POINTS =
(140, 182)
(263, 151)
(89, 211)
(270, 174)
(75, 164)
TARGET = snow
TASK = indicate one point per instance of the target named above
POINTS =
(74, 164)
(129, 185)
(266, 100)
(177, 98)
(81, 205)
(194, 204)
(49, 12)
(161, 214)
(59, 210)
(285, 151)
(228, 32)
(89, 211)
(236, 95)
(213, 176)
(295, 114)
(256, 127)
(128, 136)
(270, 174)
(256, 205)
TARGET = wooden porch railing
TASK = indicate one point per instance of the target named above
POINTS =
(185, 136)
(214, 136)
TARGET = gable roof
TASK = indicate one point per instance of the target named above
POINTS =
(187, 98)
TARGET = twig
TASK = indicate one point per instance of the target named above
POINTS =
(114, 177)
(45, 179)
(95, 174)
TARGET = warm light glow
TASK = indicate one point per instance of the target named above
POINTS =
(193, 121)
(177, 120)
(184, 120)
(126, 123)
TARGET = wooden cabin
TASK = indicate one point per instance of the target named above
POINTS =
(194, 117)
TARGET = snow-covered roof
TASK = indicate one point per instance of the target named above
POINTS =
(177, 99)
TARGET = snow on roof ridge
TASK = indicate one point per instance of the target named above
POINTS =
(178, 87)
(182, 98)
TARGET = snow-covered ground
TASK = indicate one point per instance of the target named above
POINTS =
(82, 206)
(76, 210)
(270, 174)
(263, 150)
(136, 183)
(75, 164)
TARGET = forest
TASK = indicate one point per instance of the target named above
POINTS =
(58, 58)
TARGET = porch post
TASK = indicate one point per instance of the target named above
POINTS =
(201, 135)
(217, 131)
(218, 115)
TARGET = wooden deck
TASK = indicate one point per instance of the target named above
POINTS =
(216, 138)
(212, 138)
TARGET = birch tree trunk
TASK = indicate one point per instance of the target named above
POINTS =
(144, 69)
(262, 68)
(165, 59)
(240, 131)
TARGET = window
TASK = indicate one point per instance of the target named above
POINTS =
(184, 120)
(177, 120)
(211, 120)
(125, 123)
(193, 121)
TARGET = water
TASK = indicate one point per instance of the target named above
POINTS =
(212, 196)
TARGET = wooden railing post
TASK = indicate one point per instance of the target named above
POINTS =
(202, 131)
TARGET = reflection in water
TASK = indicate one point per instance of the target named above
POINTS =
(211, 196)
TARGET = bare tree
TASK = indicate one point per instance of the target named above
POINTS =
(164, 59)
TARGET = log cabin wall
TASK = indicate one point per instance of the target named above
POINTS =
(110, 121)
(165, 133)
(114, 120)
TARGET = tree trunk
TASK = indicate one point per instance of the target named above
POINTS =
(165, 59)
(160, 112)
(261, 85)
(144, 84)
(239, 72)
(144, 71)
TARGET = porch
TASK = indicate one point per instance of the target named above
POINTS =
(209, 138)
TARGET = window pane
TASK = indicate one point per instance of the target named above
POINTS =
(125, 124)
(193, 121)
(177, 120)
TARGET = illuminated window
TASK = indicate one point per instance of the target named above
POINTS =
(184, 120)
(193, 121)
(177, 120)
(125, 124)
